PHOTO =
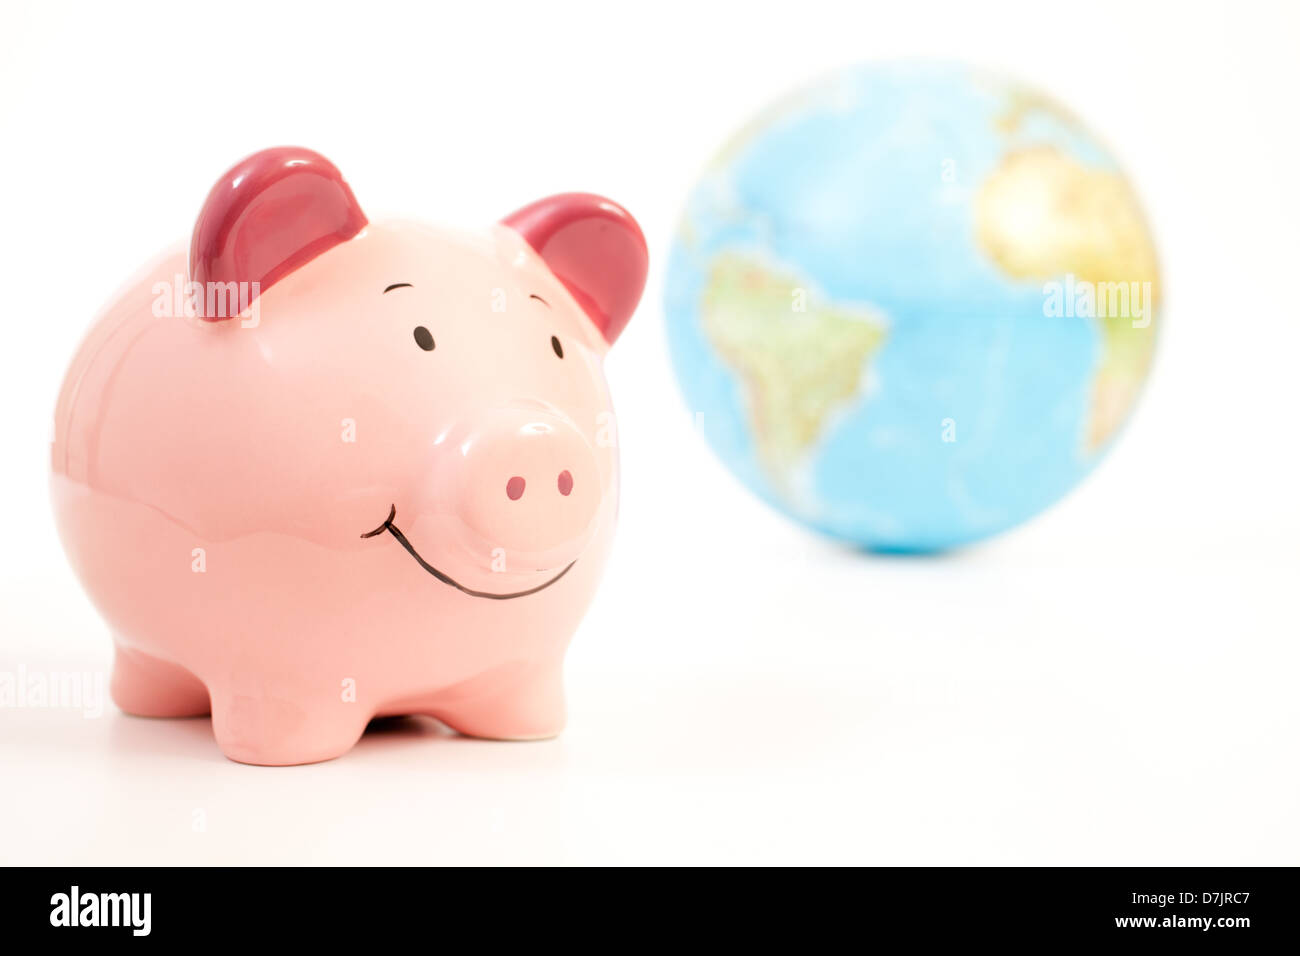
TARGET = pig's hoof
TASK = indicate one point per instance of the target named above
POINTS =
(277, 732)
(148, 687)
(533, 710)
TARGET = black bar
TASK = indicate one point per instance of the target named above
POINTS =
(1229, 907)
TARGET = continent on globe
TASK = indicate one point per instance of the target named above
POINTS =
(799, 360)
(1043, 215)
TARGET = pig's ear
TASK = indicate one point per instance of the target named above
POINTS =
(270, 214)
(595, 248)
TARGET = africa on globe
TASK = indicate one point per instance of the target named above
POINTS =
(912, 304)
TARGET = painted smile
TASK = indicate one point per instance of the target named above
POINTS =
(448, 579)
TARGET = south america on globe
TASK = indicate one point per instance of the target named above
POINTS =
(912, 304)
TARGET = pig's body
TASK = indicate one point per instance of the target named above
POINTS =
(311, 522)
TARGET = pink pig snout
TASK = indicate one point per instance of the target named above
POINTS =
(528, 487)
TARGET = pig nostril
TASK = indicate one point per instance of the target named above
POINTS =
(515, 488)
(565, 482)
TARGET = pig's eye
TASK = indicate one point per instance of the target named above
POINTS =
(424, 338)
(556, 347)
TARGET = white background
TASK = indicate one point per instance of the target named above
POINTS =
(1114, 683)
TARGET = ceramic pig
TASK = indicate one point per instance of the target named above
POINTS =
(323, 469)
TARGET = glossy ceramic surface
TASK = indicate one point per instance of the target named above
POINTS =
(386, 484)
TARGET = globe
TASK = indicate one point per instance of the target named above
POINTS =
(912, 305)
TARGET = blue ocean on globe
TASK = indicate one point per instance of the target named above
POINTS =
(894, 301)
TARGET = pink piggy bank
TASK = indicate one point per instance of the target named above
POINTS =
(336, 469)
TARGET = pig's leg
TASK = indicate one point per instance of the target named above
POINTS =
(261, 726)
(519, 705)
(149, 687)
